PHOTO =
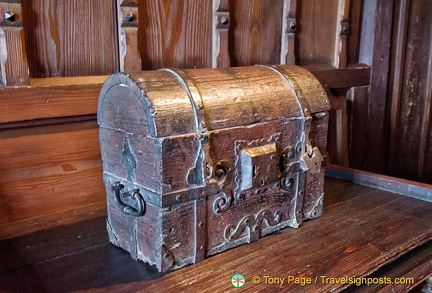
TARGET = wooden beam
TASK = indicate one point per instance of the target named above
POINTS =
(409, 188)
(358, 75)
(50, 98)
(75, 96)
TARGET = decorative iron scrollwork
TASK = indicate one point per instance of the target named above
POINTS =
(253, 222)
(223, 201)
(288, 181)
(221, 174)
(135, 196)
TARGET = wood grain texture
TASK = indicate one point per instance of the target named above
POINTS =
(409, 188)
(70, 38)
(71, 96)
(47, 221)
(355, 23)
(342, 31)
(414, 101)
(175, 33)
(256, 31)
(377, 138)
(316, 33)
(14, 70)
(49, 98)
(399, 33)
(49, 170)
(338, 104)
(342, 79)
(366, 46)
(289, 27)
(357, 101)
(221, 22)
(357, 234)
(129, 51)
(416, 264)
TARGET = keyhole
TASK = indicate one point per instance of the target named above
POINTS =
(262, 181)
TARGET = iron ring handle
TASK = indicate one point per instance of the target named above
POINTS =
(135, 195)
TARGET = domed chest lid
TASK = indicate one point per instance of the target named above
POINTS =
(170, 102)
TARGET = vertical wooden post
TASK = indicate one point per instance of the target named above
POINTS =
(130, 57)
(289, 27)
(396, 81)
(338, 103)
(14, 70)
(220, 38)
(342, 31)
(377, 137)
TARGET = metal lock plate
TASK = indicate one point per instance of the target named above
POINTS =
(258, 166)
(311, 162)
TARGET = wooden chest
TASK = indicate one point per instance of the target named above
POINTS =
(199, 161)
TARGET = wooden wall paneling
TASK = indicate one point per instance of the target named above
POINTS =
(48, 170)
(70, 37)
(425, 73)
(355, 26)
(414, 109)
(14, 69)
(342, 31)
(128, 19)
(289, 26)
(366, 47)
(400, 24)
(377, 135)
(220, 38)
(317, 22)
(427, 169)
(256, 29)
(357, 101)
(175, 33)
(51, 98)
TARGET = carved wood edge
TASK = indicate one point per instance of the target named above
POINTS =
(289, 28)
(221, 22)
(128, 23)
(405, 187)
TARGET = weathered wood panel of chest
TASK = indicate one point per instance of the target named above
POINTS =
(202, 160)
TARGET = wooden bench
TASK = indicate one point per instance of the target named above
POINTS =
(364, 232)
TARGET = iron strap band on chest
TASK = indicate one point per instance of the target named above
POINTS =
(196, 175)
(194, 97)
(311, 158)
(309, 161)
